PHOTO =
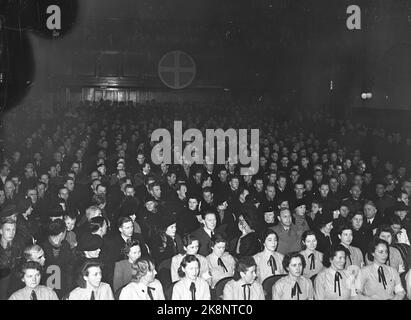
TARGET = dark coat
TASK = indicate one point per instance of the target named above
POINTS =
(65, 260)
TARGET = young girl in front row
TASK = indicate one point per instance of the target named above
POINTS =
(191, 286)
(244, 286)
(294, 286)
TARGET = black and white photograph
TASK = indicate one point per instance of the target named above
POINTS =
(206, 154)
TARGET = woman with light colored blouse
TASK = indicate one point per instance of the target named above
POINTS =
(313, 258)
(191, 246)
(335, 282)
(191, 286)
(408, 283)
(269, 262)
(378, 281)
(294, 286)
(90, 285)
(394, 260)
(221, 264)
(355, 256)
(143, 285)
(244, 285)
(31, 275)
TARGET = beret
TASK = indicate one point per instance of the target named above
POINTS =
(8, 211)
(23, 205)
(90, 242)
(325, 218)
(166, 221)
(56, 211)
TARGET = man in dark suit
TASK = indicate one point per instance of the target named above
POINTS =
(4, 173)
(373, 220)
(113, 245)
(204, 233)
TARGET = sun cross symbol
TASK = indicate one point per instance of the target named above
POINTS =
(176, 70)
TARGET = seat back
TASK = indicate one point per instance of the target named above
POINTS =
(219, 287)
(268, 284)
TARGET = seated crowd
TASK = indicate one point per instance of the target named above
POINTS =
(85, 214)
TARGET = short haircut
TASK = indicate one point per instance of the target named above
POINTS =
(123, 220)
(6, 220)
(217, 238)
(268, 232)
(242, 265)
(28, 251)
(304, 237)
(84, 271)
(30, 265)
(373, 245)
(127, 247)
(96, 223)
(343, 227)
(91, 211)
(329, 255)
(186, 260)
(383, 228)
(188, 239)
(289, 256)
(56, 227)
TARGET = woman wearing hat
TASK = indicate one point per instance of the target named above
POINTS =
(189, 219)
(143, 285)
(323, 234)
(25, 230)
(247, 244)
(361, 236)
(90, 286)
(167, 242)
(123, 268)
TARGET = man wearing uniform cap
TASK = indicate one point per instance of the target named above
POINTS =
(9, 212)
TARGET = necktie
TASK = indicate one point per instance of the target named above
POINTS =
(221, 263)
(33, 295)
(272, 264)
(247, 285)
(328, 240)
(337, 278)
(92, 295)
(150, 294)
(349, 256)
(296, 291)
(193, 290)
(381, 277)
(312, 263)
(212, 234)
